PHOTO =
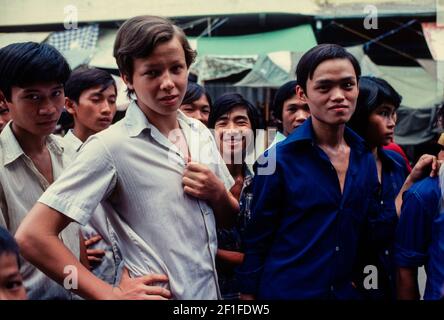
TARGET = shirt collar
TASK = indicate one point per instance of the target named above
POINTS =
(75, 142)
(305, 133)
(13, 150)
(388, 158)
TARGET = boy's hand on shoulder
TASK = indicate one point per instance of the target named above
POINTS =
(200, 182)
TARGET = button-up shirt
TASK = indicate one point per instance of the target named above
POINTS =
(21, 184)
(107, 269)
(135, 169)
(420, 233)
(303, 237)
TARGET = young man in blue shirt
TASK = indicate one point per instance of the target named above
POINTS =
(420, 237)
(309, 214)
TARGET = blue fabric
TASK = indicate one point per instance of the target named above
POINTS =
(420, 234)
(378, 250)
(303, 237)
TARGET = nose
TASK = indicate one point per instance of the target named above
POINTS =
(301, 116)
(337, 94)
(167, 82)
(48, 108)
(105, 108)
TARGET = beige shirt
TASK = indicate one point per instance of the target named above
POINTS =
(137, 171)
(21, 185)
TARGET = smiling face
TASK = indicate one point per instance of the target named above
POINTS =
(381, 125)
(95, 110)
(233, 131)
(294, 113)
(198, 109)
(11, 283)
(331, 92)
(160, 80)
(36, 108)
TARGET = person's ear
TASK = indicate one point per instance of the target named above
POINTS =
(127, 81)
(2, 99)
(300, 93)
(70, 106)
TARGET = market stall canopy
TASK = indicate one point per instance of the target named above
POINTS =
(8, 38)
(300, 38)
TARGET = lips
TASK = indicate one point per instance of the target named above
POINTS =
(338, 107)
(47, 123)
(170, 100)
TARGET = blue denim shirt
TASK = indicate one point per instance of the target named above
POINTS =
(304, 234)
(383, 219)
(420, 234)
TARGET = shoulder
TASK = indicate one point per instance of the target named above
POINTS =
(426, 191)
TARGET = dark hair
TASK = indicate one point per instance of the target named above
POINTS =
(285, 92)
(83, 78)
(372, 93)
(194, 92)
(28, 63)
(139, 36)
(8, 244)
(316, 55)
(228, 101)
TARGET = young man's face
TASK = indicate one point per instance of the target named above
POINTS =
(160, 80)
(332, 92)
(5, 116)
(294, 113)
(95, 110)
(36, 109)
(233, 132)
(11, 283)
(381, 125)
(198, 109)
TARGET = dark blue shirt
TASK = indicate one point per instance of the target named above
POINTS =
(378, 250)
(303, 237)
(420, 234)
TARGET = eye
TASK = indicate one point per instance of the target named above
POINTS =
(33, 97)
(205, 111)
(4, 111)
(57, 93)
(152, 73)
(11, 285)
(348, 85)
(177, 69)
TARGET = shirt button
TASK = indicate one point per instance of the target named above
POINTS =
(382, 201)
(332, 288)
(337, 248)
(387, 252)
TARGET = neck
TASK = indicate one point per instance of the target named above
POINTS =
(328, 135)
(235, 170)
(374, 151)
(30, 143)
(82, 133)
(164, 123)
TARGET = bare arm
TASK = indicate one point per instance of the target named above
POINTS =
(407, 284)
(39, 243)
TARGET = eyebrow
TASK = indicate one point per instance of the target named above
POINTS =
(32, 90)
(328, 81)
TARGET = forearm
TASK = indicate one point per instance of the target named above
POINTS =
(226, 209)
(229, 258)
(407, 284)
(398, 201)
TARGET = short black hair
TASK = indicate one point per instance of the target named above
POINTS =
(372, 93)
(285, 92)
(316, 55)
(28, 63)
(228, 101)
(83, 78)
(8, 244)
(194, 92)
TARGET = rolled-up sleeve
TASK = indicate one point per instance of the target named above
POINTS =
(413, 233)
(267, 195)
(86, 182)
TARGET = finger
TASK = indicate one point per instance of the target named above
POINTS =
(191, 183)
(94, 259)
(196, 176)
(157, 291)
(148, 297)
(154, 277)
(195, 166)
(191, 192)
(95, 252)
(93, 240)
